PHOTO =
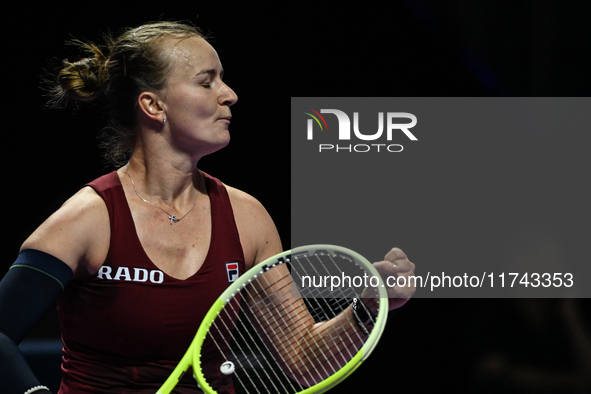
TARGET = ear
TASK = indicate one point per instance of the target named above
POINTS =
(150, 105)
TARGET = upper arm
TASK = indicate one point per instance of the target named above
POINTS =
(78, 233)
(258, 234)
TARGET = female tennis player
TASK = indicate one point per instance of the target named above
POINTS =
(136, 258)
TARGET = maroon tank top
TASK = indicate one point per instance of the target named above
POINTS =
(126, 328)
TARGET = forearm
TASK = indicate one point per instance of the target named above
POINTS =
(17, 377)
(333, 343)
(313, 351)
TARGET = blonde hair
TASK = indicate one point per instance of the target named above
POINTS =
(114, 74)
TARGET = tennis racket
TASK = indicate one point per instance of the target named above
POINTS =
(299, 322)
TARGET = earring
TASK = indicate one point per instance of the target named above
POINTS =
(164, 121)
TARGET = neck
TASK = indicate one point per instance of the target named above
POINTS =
(170, 188)
(161, 172)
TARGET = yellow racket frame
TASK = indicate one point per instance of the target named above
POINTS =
(193, 355)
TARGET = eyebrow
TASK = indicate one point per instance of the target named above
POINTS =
(211, 71)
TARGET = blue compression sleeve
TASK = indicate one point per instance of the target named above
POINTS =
(29, 289)
(44, 263)
(27, 292)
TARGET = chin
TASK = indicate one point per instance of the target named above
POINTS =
(214, 146)
(225, 140)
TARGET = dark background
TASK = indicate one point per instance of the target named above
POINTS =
(394, 48)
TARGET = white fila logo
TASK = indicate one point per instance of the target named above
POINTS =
(233, 271)
(124, 273)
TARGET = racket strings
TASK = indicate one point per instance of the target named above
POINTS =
(326, 265)
(266, 316)
(234, 355)
(324, 348)
(343, 295)
(246, 312)
(223, 335)
(285, 354)
(323, 305)
(249, 343)
(265, 361)
(301, 334)
(270, 319)
(372, 318)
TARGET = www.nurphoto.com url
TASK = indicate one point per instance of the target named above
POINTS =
(433, 282)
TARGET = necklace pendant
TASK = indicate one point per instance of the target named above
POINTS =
(173, 219)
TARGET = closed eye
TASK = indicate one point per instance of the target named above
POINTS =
(212, 74)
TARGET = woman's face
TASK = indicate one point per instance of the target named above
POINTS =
(196, 101)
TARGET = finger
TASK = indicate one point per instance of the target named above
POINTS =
(395, 254)
(395, 267)
(386, 268)
(403, 267)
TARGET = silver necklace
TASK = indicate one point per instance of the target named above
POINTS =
(173, 218)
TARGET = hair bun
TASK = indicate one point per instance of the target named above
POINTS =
(83, 80)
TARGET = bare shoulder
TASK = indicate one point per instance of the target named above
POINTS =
(245, 203)
(257, 230)
(78, 233)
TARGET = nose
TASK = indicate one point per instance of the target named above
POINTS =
(227, 96)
